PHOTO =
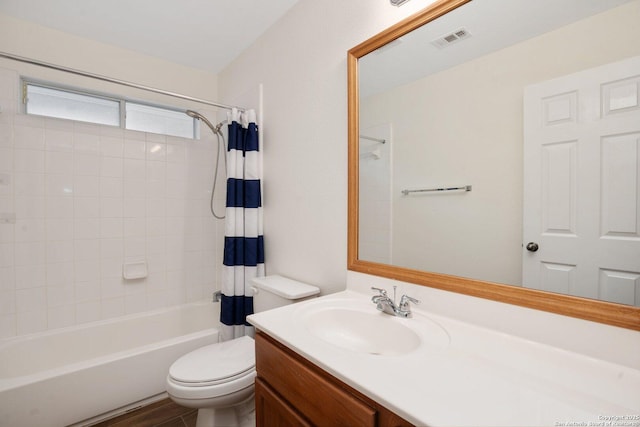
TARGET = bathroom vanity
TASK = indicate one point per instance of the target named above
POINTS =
(336, 360)
(292, 391)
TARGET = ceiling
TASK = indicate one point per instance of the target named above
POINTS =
(492, 25)
(202, 34)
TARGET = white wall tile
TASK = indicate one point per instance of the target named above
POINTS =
(111, 187)
(112, 307)
(135, 246)
(7, 302)
(156, 226)
(111, 207)
(31, 299)
(134, 188)
(86, 164)
(111, 146)
(111, 273)
(88, 186)
(6, 159)
(87, 271)
(58, 140)
(7, 326)
(25, 160)
(111, 228)
(156, 245)
(156, 151)
(87, 198)
(7, 278)
(7, 255)
(111, 167)
(88, 311)
(176, 153)
(134, 207)
(31, 276)
(135, 227)
(6, 135)
(60, 296)
(59, 274)
(135, 149)
(59, 207)
(28, 137)
(86, 228)
(60, 251)
(28, 184)
(30, 253)
(60, 229)
(61, 316)
(29, 230)
(86, 207)
(58, 162)
(86, 143)
(30, 206)
(59, 185)
(135, 303)
(134, 169)
(29, 322)
(86, 249)
(112, 248)
(87, 291)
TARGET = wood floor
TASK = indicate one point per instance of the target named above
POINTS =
(164, 413)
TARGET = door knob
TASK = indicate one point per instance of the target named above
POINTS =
(532, 246)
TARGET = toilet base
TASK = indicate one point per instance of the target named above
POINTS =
(241, 415)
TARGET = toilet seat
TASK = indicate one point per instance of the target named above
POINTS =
(214, 370)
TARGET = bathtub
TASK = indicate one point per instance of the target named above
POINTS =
(76, 375)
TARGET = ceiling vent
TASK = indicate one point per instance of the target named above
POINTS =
(451, 38)
(398, 2)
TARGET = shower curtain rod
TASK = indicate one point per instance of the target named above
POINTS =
(370, 138)
(116, 81)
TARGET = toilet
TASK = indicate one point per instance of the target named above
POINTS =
(218, 379)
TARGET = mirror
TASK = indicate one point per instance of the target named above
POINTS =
(446, 185)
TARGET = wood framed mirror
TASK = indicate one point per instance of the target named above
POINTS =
(597, 310)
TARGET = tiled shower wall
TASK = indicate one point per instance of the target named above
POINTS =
(78, 200)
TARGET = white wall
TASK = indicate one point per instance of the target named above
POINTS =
(88, 198)
(301, 61)
(440, 232)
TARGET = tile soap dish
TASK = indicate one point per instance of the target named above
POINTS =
(134, 270)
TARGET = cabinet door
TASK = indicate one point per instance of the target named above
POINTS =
(272, 411)
(322, 399)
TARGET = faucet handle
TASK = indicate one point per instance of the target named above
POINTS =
(406, 299)
(382, 291)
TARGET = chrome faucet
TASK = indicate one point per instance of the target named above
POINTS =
(387, 305)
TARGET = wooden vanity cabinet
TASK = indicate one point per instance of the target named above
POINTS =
(291, 391)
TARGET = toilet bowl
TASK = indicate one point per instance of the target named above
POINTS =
(218, 379)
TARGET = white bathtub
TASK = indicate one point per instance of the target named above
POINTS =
(69, 375)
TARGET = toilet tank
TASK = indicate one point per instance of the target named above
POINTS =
(276, 291)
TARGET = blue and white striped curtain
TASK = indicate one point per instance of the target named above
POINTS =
(243, 242)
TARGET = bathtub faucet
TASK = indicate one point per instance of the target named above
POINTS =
(387, 305)
(217, 296)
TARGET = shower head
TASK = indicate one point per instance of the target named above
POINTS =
(196, 115)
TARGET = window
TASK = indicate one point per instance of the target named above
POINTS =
(45, 101)
(52, 101)
(158, 120)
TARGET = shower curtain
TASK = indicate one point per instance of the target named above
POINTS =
(243, 242)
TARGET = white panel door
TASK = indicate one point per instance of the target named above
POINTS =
(582, 184)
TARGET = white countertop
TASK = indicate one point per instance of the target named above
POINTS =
(479, 378)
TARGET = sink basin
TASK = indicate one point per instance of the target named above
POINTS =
(361, 331)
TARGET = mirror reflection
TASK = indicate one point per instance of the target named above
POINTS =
(501, 142)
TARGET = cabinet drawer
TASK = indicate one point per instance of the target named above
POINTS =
(308, 390)
(271, 410)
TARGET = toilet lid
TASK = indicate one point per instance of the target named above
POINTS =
(215, 362)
